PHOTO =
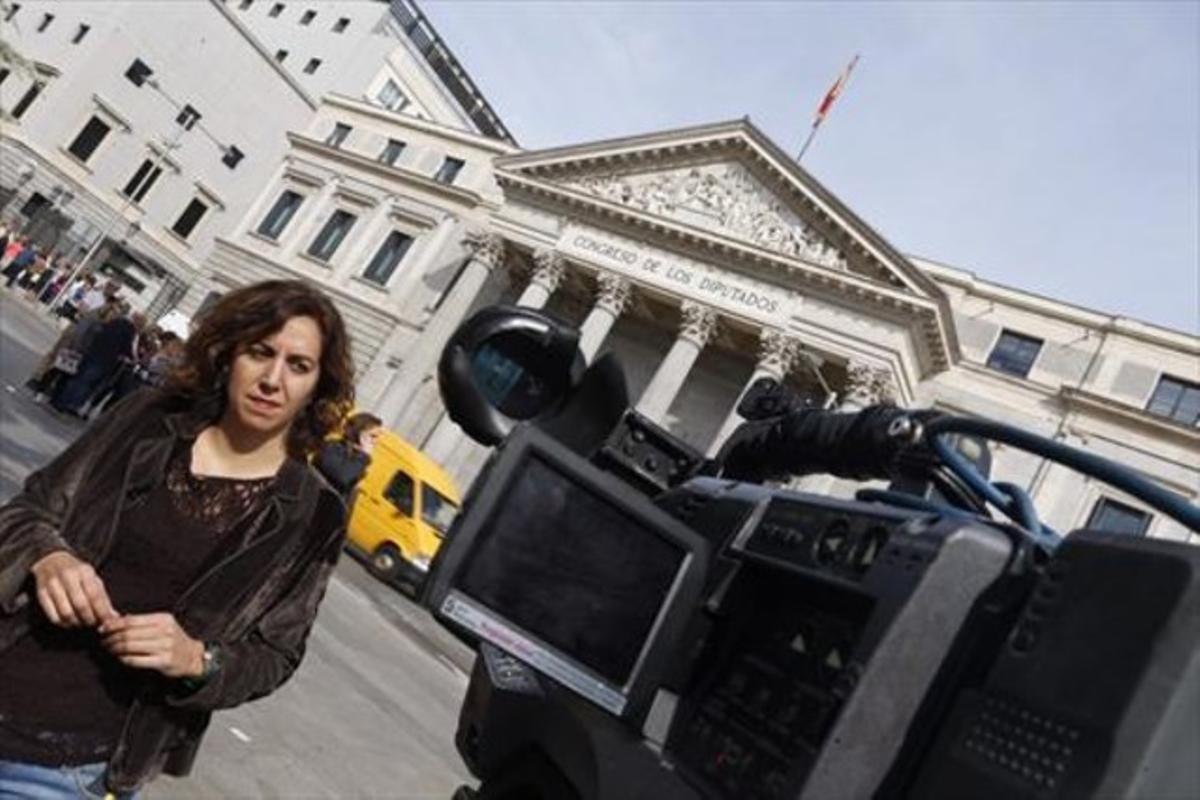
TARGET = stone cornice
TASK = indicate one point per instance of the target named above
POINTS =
(386, 173)
(1147, 332)
(437, 129)
(934, 325)
(1125, 414)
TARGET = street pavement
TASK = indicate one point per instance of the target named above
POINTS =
(372, 710)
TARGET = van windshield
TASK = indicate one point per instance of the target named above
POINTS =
(437, 509)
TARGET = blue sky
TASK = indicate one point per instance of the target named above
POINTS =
(1049, 146)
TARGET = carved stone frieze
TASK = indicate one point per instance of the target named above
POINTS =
(485, 247)
(777, 352)
(724, 198)
(867, 385)
(614, 293)
(698, 324)
(549, 269)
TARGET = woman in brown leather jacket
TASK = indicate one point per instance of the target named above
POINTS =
(170, 562)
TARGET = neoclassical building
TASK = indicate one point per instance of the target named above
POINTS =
(705, 257)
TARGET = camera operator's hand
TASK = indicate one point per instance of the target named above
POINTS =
(70, 592)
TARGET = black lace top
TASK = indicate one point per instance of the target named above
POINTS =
(63, 697)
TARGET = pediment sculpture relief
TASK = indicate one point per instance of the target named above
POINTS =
(722, 198)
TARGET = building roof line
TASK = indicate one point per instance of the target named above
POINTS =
(441, 59)
(262, 51)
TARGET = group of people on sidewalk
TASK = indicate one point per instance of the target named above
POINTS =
(39, 273)
(105, 354)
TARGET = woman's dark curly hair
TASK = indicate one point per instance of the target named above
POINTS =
(248, 315)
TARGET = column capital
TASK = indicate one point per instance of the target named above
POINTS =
(867, 385)
(614, 293)
(699, 323)
(485, 247)
(777, 352)
(549, 268)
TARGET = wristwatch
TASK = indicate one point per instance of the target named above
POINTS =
(211, 665)
(212, 661)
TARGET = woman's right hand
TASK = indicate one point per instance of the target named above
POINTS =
(70, 592)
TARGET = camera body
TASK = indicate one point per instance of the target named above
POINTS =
(647, 630)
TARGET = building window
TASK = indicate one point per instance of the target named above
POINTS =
(449, 170)
(400, 492)
(391, 152)
(45, 23)
(142, 180)
(280, 55)
(338, 135)
(391, 97)
(336, 227)
(280, 214)
(276, 10)
(245, 4)
(27, 99)
(1114, 517)
(3, 74)
(1176, 399)
(1014, 353)
(79, 34)
(387, 257)
(89, 138)
(187, 220)
(11, 12)
(311, 66)
(308, 17)
(341, 25)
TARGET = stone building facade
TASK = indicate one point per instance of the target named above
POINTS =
(156, 172)
(706, 257)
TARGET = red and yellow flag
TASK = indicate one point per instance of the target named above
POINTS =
(834, 91)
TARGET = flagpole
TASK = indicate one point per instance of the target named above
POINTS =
(804, 147)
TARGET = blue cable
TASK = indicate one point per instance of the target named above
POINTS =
(1102, 469)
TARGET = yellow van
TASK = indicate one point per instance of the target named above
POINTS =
(401, 510)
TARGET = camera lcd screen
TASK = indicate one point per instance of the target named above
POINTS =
(573, 570)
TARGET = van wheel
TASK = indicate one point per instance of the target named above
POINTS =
(385, 561)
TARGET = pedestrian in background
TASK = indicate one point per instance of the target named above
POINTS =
(344, 461)
(112, 344)
(171, 561)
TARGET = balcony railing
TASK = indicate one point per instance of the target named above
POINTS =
(449, 71)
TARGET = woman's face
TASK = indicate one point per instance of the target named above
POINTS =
(271, 381)
(368, 438)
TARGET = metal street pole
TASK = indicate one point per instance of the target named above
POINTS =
(119, 218)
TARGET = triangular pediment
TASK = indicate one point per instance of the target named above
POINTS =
(729, 181)
(722, 197)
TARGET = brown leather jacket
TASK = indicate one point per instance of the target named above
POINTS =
(258, 603)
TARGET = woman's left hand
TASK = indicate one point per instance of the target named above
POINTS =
(154, 641)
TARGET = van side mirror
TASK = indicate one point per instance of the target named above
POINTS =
(507, 365)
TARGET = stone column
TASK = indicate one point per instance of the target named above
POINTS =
(777, 354)
(448, 444)
(612, 301)
(866, 385)
(487, 254)
(549, 268)
(699, 323)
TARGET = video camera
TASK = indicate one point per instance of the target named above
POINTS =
(655, 624)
